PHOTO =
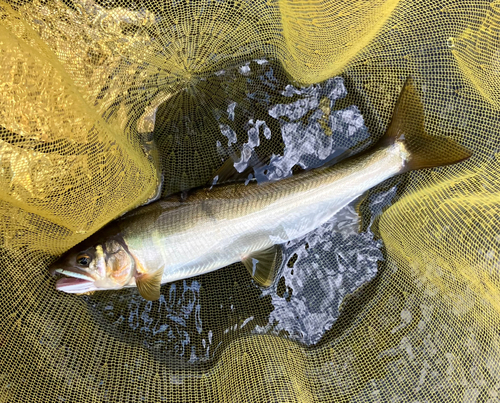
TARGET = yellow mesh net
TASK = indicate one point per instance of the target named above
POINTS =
(85, 86)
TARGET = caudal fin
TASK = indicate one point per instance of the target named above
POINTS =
(407, 126)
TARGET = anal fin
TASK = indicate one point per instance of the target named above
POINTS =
(149, 284)
(359, 201)
(263, 265)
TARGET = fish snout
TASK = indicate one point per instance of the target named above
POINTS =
(53, 267)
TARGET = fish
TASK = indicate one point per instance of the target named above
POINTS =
(212, 227)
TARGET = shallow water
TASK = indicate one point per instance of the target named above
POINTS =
(196, 318)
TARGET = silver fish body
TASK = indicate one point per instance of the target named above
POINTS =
(172, 239)
(212, 229)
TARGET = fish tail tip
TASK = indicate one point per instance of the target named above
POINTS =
(407, 126)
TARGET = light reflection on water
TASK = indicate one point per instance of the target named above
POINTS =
(165, 322)
(319, 270)
(196, 318)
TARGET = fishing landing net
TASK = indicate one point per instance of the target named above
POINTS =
(101, 101)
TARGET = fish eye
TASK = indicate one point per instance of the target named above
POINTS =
(83, 260)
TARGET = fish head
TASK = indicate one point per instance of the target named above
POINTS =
(91, 266)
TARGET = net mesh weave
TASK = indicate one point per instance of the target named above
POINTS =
(83, 84)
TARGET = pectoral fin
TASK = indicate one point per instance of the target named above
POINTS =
(262, 265)
(148, 284)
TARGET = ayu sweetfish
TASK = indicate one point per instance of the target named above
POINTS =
(176, 238)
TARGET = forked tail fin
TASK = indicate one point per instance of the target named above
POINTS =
(407, 126)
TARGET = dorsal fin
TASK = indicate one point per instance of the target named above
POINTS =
(228, 173)
(263, 265)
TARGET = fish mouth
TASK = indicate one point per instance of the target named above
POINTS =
(75, 281)
(73, 285)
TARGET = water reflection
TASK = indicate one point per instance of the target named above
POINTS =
(319, 270)
(195, 319)
(311, 130)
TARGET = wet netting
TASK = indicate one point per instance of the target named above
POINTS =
(103, 101)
